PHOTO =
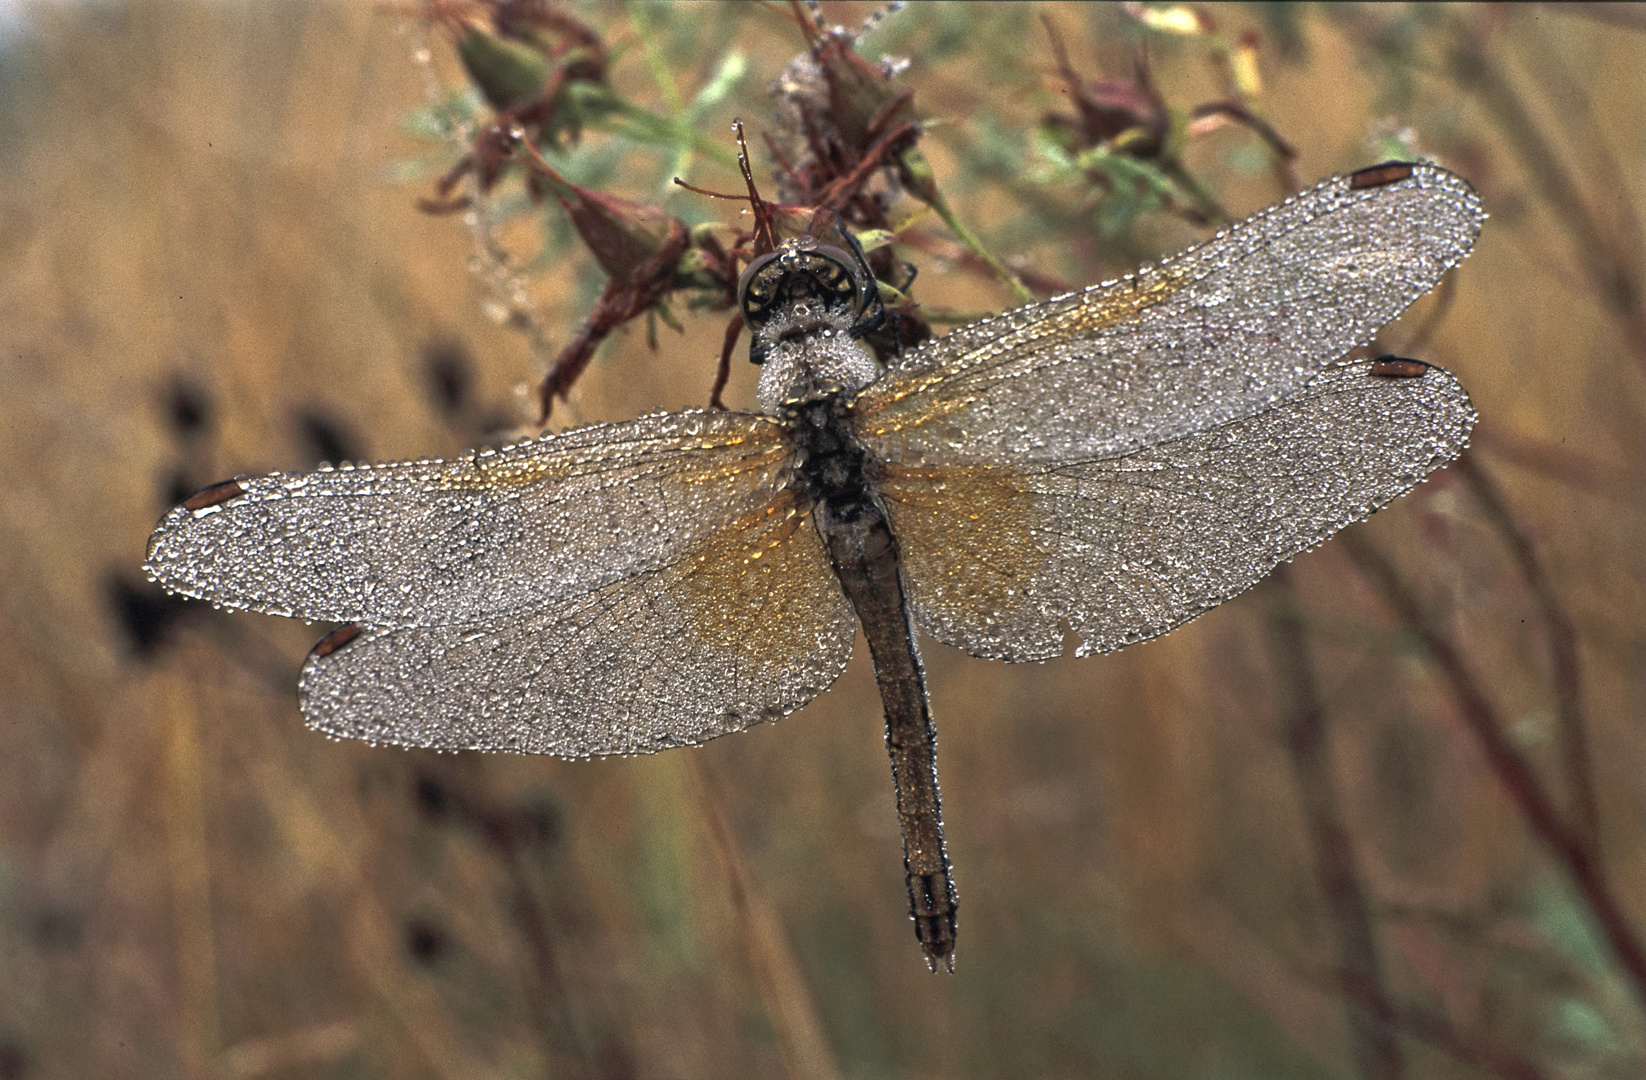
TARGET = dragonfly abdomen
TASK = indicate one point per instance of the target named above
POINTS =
(835, 468)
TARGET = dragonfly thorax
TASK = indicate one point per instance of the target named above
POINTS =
(809, 351)
(832, 466)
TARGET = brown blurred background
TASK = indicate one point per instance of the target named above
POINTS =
(1337, 828)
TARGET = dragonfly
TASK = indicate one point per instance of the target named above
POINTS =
(1095, 470)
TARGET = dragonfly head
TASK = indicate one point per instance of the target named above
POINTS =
(805, 304)
(800, 271)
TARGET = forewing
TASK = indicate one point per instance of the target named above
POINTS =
(746, 625)
(998, 558)
(1217, 333)
(494, 532)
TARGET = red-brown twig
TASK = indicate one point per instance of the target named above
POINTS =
(1439, 1032)
(577, 1035)
(1569, 846)
(1567, 675)
(801, 1037)
(1376, 1050)
(723, 370)
(943, 248)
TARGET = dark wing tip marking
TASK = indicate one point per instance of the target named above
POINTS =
(211, 496)
(1389, 366)
(335, 640)
(1372, 176)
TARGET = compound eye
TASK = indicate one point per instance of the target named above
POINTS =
(793, 274)
(841, 272)
(757, 288)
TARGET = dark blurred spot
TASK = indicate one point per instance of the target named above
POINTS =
(498, 428)
(14, 1061)
(1285, 26)
(1415, 830)
(143, 613)
(188, 408)
(614, 1060)
(1401, 767)
(534, 826)
(326, 439)
(58, 928)
(450, 376)
(181, 485)
(432, 799)
(539, 824)
(425, 941)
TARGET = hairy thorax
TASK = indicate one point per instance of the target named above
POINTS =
(809, 353)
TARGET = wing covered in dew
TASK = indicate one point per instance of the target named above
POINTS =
(1217, 333)
(999, 558)
(494, 532)
(744, 625)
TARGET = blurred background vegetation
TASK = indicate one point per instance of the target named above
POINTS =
(1381, 817)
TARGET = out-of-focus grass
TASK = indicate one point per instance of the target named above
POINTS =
(197, 221)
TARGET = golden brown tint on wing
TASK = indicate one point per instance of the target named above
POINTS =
(745, 626)
(968, 542)
(1217, 333)
(1118, 460)
(931, 391)
(998, 558)
(755, 584)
